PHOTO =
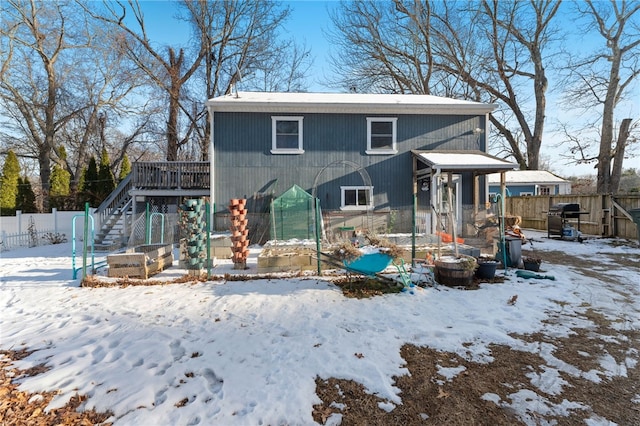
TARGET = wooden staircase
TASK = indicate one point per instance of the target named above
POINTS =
(147, 180)
(115, 215)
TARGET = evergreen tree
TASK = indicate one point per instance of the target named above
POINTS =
(105, 176)
(80, 195)
(59, 190)
(9, 184)
(26, 198)
(60, 181)
(125, 169)
(90, 187)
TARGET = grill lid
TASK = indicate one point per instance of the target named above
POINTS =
(565, 207)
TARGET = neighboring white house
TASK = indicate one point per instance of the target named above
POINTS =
(529, 182)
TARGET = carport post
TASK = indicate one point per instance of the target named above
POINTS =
(415, 209)
(318, 224)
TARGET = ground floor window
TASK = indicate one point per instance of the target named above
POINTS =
(356, 197)
(544, 190)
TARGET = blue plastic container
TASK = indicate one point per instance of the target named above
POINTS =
(369, 264)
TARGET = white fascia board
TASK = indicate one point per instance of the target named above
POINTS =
(346, 104)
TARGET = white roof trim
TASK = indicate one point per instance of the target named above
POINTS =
(528, 177)
(273, 102)
(464, 160)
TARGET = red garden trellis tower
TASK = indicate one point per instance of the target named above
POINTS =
(239, 233)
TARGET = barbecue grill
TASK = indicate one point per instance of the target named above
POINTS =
(557, 220)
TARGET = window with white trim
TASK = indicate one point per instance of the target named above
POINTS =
(544, 190)
(356, 197)
(526, 194)
(381, 135)
(286, 135)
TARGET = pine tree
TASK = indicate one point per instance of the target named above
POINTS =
(105, 176)
(90, 187)
(26, 198)
(9, 184)
(125, 169)
(79, 196)
(59, 181)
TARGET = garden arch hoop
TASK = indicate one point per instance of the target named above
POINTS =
(366, 180)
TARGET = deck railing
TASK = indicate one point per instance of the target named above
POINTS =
(171, 175)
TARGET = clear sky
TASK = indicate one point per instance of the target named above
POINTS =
(309, 18)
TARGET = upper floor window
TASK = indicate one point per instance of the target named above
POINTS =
(381, 135)
(286, 135)
(356, 197)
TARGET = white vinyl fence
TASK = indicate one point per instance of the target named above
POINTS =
(35, 229)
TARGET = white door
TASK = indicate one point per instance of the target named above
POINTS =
(448, 209)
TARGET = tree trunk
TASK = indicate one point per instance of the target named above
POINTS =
(618, 157)
(44, 161)
(540, 84)
(603, 185)
(172, 126)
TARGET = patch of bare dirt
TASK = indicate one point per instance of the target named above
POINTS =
(428, 398)
(591, 266)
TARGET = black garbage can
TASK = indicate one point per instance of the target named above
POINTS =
(635, 215)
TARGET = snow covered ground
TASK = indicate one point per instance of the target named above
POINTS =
(248, 352)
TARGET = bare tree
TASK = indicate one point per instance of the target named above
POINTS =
(168, 67)
(488, 50)
(62, 73)
(383, 47)
(33, 92)
(241, 41)
(600, 80)
(285, 70)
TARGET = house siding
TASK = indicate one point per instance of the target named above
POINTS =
(245, 167)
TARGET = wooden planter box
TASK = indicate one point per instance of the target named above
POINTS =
(140, 262)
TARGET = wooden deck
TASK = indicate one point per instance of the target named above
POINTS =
(176, 175)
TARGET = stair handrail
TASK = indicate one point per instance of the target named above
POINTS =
(114, 199)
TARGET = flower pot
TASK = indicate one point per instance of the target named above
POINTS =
(487, 269)
(194, 251)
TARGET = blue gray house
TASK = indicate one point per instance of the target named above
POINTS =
(359, 154)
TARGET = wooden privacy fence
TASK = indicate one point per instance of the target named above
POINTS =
(608, 215)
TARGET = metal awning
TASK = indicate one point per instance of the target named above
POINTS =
(464, 161)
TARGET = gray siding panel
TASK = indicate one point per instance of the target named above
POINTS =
(246, 168)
